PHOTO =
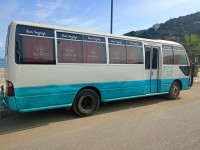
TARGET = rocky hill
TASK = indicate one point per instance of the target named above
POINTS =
(173, 29)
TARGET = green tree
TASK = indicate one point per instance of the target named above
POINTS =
(192, 45)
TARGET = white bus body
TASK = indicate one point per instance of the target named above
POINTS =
(50, 67)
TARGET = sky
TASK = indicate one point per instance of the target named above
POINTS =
(93, 15)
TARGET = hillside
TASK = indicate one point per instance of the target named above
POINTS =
(173, 29)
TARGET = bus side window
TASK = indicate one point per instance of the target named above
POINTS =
(117, 54)
(95, 52)
(167, 57)
(180, 58)
(70, 51)
(134, 55)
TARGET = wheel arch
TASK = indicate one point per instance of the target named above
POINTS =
(91, 88)
(180, 83)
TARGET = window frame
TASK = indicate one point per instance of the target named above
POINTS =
(56, 45)
(82, 34)
(179, 56)
(109, 45)
(105, 52)
(126, 43)
(20, 44)
(168, 48)
(141, 50)
(88, 38)
(175, 48)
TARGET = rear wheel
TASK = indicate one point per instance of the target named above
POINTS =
(86, 103)
(174, 91)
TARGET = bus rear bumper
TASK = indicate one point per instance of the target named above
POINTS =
(7, 101)
(11, 102)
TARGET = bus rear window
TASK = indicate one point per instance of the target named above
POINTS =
(37, 50)
(34, 45)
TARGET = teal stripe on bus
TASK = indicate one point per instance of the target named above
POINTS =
(61, 95)
(165, 84)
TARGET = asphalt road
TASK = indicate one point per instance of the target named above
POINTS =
(152, 123)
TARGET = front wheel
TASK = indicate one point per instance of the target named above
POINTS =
(174, 91)
(86, 103)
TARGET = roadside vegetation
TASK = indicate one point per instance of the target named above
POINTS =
(192, 46)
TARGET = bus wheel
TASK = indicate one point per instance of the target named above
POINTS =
(86, 103)
(174, 91)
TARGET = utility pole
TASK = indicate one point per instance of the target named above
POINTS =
(111, 22)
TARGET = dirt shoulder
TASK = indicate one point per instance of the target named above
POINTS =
(2, 77)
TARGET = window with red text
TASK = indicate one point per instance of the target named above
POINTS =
(95, 52)
(95, 49)
(70, 51)
(117, 51)
(134, 55)
(70, 48)
(117, 54)
(37, 50)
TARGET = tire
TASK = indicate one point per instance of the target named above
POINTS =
(174, 91)
(86, 103)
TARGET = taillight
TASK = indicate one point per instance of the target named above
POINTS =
(10, 89)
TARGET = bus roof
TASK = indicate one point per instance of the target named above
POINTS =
(95, 33)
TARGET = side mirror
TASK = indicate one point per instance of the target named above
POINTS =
(196, 59)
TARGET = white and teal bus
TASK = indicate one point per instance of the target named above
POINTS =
(50, 67)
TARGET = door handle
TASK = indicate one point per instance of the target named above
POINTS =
(151, 73)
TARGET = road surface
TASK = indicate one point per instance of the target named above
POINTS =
(151, 123)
